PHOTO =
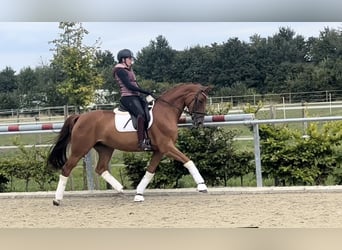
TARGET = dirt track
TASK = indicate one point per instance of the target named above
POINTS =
(265, 210)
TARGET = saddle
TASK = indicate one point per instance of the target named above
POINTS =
(126, 122)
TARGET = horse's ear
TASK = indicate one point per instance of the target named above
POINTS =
(207, 89)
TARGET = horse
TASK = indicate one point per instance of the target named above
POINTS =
(96, 129)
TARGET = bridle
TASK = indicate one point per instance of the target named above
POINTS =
(196, 115)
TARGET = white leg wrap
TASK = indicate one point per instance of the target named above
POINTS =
(112, 181)
(144, 182)
(61, 187)
(194, 172)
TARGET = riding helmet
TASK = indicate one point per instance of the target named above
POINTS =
(125, 53)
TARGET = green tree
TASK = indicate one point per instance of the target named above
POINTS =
(47, 82)
(192, 65)
(105, 59)
(27, 87)
(232, 63)
(9, 101)
(78, 63)
(105, 63)
(154, 61)
(8, 80)
(327, 45)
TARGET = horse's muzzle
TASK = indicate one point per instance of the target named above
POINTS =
(197, 120)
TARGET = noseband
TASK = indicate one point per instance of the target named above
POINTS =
(196, 115)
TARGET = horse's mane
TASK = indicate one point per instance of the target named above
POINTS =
(178, 86)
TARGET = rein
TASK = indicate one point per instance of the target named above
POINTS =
(186, 111)
(173, 106)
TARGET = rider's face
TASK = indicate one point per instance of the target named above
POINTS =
(128, 61)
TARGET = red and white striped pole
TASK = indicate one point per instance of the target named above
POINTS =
(184, 120)
(218, 118)
(30, 127)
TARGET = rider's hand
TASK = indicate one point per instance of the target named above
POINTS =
(150, 99)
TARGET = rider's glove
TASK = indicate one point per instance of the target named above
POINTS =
(150, 99)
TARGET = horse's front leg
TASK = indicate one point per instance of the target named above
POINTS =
(151, 169)
(174, 153)
(193, 170)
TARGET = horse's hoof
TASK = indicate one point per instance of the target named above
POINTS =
(139, 198)
(202, 188)
(56, 202)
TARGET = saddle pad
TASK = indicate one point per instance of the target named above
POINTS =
(123, 122)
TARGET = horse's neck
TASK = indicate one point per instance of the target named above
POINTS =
(178, 94)
(175, 101)
(170, 107)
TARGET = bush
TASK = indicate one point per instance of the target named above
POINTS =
(29, 164)
(167, 176)
(3, 183)
(292, 159)
(212, 150)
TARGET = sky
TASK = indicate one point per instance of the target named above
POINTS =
(26, 44)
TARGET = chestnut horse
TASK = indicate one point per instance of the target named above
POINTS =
(96, 129)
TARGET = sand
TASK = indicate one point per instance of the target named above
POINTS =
(171, 210)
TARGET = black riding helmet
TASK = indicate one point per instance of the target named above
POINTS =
(125, 53)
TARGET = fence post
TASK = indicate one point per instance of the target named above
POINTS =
(257, 155)
(89, 170)
(66, 112)
(305, 124)
(273, 112)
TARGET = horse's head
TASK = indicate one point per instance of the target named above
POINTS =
(192, 96)
(196, 104)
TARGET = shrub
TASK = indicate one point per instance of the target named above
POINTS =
(293, 159)
(211, 148)
(3, 183)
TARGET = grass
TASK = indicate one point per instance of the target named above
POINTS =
(28, 139)
(76, 181)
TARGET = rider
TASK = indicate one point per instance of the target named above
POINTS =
(131, 97)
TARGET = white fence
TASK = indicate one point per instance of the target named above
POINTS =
(284, 108)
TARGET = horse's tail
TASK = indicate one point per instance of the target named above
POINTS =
(57, 156)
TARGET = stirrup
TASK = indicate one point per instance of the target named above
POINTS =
(145, 145)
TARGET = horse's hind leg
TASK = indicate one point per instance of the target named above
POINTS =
(63, 178)
(105, 155)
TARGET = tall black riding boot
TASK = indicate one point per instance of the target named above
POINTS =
(144, 143)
